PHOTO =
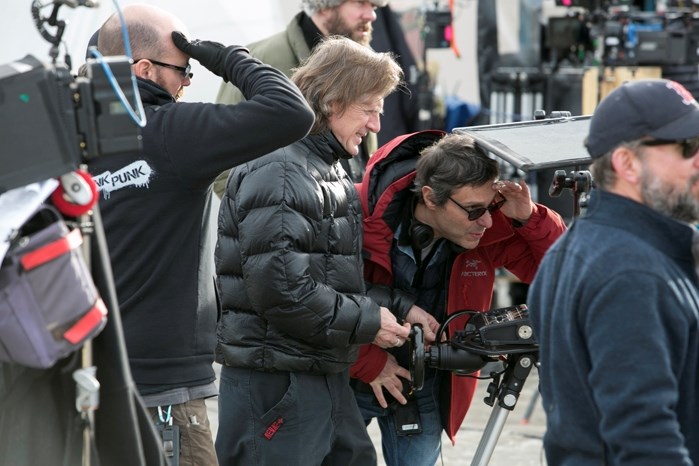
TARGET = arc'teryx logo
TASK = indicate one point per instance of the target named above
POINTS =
(136, 174)
(473, 264)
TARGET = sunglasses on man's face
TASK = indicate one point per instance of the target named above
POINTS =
(689, 146)
(478, 212)
(185, 71)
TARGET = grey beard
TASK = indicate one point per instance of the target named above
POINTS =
(670, 201)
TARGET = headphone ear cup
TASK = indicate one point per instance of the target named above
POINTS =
(421, 235)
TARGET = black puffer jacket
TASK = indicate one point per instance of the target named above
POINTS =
(289, 263)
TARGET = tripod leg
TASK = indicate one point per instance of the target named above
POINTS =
(490, 436)
(518, 368)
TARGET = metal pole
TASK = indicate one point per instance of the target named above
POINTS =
(492, 431)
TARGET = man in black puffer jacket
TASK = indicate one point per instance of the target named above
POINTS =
(289, 264)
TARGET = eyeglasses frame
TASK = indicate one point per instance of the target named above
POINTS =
(186, 71)
(478, 212)
(689, 146)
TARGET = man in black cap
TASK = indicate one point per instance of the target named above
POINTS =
(615, 303)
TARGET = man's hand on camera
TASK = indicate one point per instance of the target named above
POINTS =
(390, 378)
(212, 55)
(391, 333)
(417, 315)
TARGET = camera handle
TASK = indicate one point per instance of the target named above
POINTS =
(506, 391)
(580, 182)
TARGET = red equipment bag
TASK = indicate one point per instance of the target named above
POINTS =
(49, 305)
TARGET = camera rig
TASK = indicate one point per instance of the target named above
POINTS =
(53, 121)
(503, 334)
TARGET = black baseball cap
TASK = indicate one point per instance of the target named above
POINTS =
(656, 108)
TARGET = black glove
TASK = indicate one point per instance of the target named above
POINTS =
(212, 55)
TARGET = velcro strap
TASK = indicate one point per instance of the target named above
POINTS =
(87, 323)
(52, 250)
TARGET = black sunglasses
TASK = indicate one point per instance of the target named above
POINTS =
(689, 146)
(184, 70)
(478, 212)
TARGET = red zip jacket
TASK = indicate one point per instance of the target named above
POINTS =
(472, 276)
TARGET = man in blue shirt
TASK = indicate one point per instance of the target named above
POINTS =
(615, 303)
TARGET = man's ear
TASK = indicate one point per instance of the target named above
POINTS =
(426, 192)
(626, 165)
(143, 69)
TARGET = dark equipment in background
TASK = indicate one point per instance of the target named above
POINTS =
(622, 33)
(568, 38)
(437, 33)
(589, 4)
(401, 107)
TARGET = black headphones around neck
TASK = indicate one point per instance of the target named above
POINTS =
(414, 233)
(421, 234)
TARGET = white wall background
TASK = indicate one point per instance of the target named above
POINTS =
(226, 21)
(243, 21)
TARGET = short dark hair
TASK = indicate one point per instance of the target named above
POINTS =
(451, 163)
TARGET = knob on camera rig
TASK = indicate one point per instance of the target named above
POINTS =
(503, 334)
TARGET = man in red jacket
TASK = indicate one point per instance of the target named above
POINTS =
(436, 228)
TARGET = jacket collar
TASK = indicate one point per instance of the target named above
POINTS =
(152, 93)
(310, 31)
(670, 236)
(327, 146)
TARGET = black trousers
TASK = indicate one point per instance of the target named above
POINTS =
(290, 418)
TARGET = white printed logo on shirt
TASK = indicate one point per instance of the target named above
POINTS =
(473, 264)
(136, 174)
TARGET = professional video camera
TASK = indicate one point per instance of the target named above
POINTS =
(504, 335)
(52, 121)
(485, 337)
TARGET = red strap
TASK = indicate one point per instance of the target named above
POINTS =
(87, 323)
(52, 250)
